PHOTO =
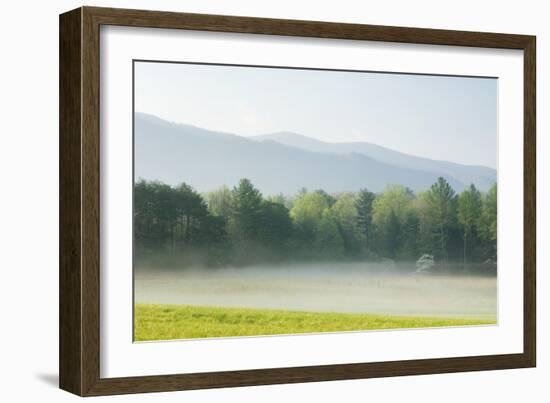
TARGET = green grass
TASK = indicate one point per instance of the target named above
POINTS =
(169, 322)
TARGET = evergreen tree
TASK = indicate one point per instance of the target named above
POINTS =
(330, 200)
(488, 221)
(190, 211)
(363, 205)
(468, 214)
(247, 210)
(276, 226)
(154, 215)
(442, 202)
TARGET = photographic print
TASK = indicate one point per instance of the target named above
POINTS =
(256, 201)
(278, 201)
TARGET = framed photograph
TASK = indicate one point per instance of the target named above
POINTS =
(249, 201)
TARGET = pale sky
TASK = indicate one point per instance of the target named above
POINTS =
(445, 118)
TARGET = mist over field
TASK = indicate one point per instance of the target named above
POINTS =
(324, 287)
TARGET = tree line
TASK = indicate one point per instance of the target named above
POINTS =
(240, 226)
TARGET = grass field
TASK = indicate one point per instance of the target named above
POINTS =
(169, 322)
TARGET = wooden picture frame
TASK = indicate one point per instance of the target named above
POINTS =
(79, 348)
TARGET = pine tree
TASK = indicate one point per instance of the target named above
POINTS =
(247, 210)
(442, 200)
(363, 206)
(468, 215)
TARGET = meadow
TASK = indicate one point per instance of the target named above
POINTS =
(170, 322)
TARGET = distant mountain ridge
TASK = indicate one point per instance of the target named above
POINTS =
(483, 177)
(283, 162)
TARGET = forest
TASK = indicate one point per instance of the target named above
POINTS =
(239, 226)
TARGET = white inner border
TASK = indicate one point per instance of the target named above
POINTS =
(119, 356)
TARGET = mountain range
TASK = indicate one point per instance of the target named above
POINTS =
(284, 162)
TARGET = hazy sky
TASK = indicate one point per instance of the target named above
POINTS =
(448, 118)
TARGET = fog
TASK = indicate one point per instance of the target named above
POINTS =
(324, 287)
